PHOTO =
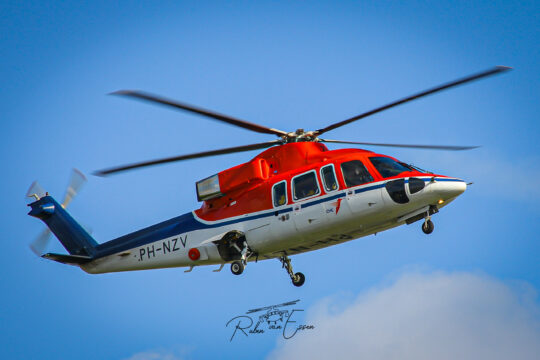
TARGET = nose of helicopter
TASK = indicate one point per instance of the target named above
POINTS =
(448, 189)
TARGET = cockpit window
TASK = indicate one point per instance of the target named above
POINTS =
(415, 185)
(355, 173)
(388, 167)
(329, 178)
(279, 194)
(305, 185)
(396, 190)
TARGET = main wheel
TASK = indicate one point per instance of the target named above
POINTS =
(237, 267)
(298, 279)
(427, 227)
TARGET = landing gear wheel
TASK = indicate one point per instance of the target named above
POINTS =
(298, 279)
(237, 267)
(427, 227)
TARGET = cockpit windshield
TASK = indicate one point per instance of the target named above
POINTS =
(388, 167)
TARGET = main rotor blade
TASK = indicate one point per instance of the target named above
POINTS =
(178, 105)
(187, 157)
(461, 81)
(428, 147)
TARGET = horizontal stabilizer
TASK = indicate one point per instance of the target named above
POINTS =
(67, 259)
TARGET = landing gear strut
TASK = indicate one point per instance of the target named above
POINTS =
(427, 226)
(297, 279)
(238, 266)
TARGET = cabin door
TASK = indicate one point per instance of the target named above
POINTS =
(308, 216)
(365, 201)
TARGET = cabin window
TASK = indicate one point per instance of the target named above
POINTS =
(388, 167)
(328, 176)
(415, 185)
(305, 185)
(279, 194)
(355, 173)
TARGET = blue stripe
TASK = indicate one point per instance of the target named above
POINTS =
(446, 179)
(358, 191)
(319, 201)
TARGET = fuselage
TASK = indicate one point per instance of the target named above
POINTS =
(289, 199)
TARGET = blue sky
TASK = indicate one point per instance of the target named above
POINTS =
(287, 65)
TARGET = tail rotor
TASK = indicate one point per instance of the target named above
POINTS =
(40, 243)
(76, 181)
(36, 191)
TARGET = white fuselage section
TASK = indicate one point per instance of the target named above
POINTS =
(303, 226)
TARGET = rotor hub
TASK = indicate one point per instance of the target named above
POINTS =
(300, 135)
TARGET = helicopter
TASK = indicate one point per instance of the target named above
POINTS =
(296, 196)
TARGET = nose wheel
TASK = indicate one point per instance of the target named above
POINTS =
(427, 226)
(237, 267)
(297, 279)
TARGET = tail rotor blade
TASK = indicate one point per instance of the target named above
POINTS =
(76, 181)
(88, 229)
(41, 242)
(35, 190)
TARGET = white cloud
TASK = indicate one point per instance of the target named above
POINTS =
(436, 316)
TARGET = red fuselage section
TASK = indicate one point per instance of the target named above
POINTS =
(247, 188)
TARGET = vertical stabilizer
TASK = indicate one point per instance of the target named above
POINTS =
(72, 235)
